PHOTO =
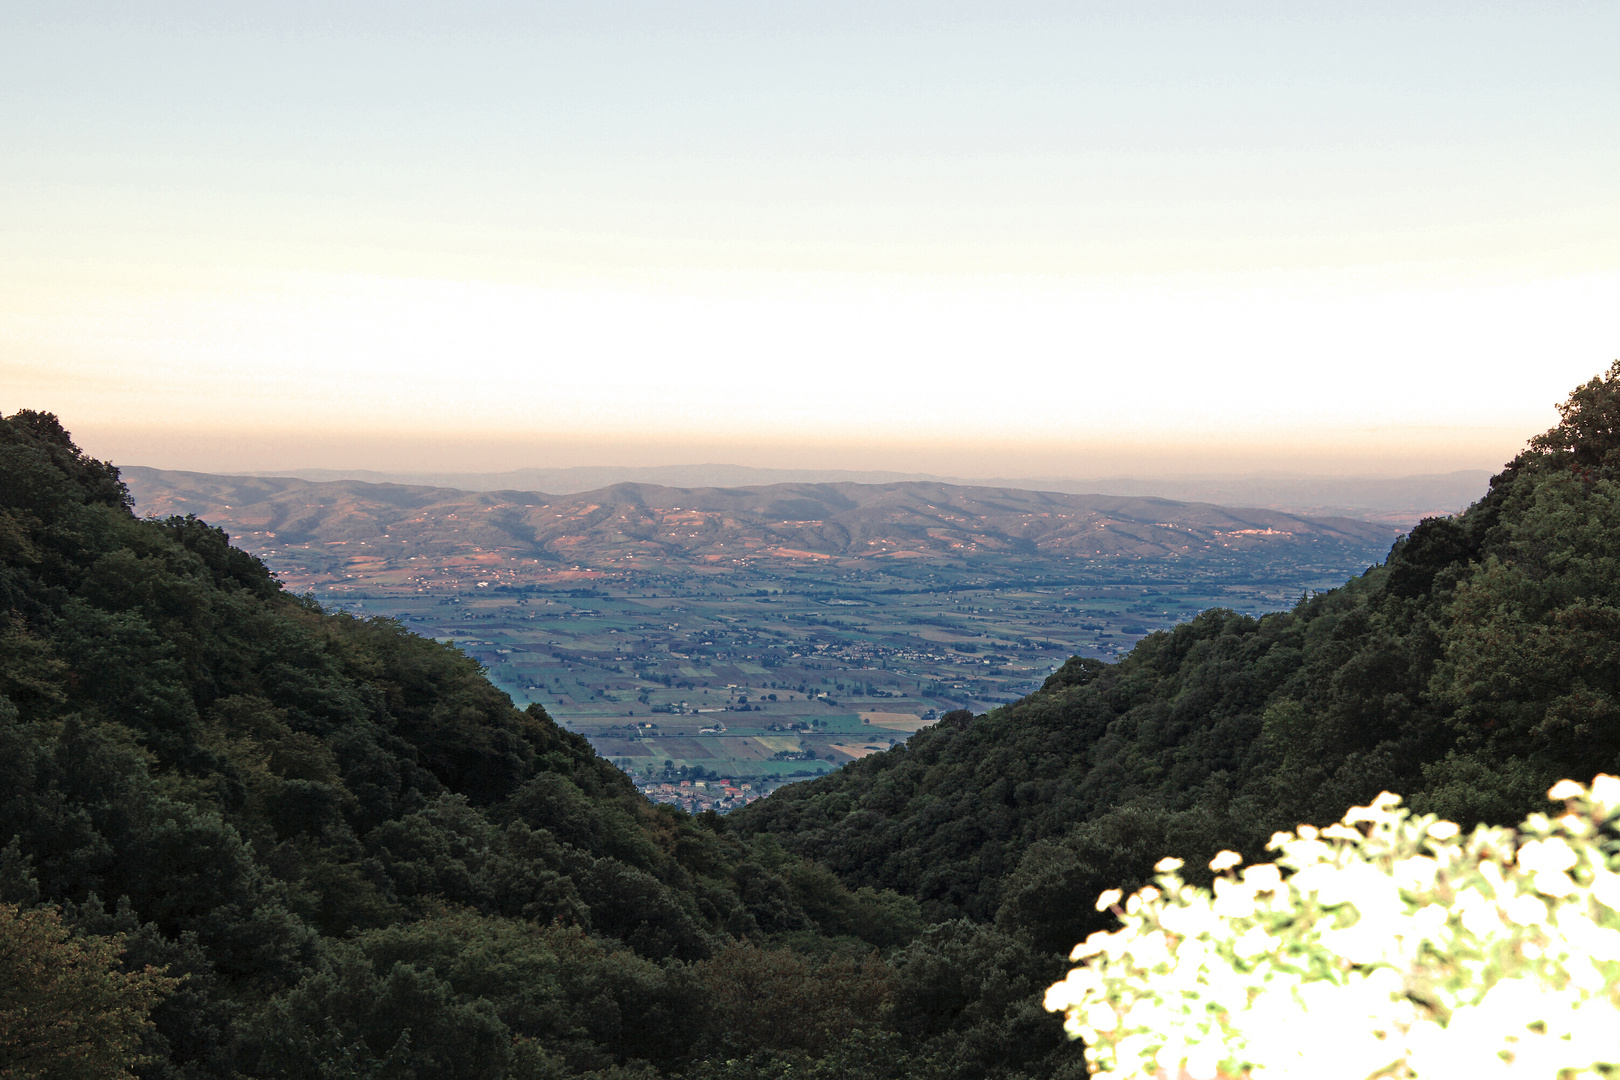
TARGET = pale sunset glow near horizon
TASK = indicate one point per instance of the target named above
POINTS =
(977, 239)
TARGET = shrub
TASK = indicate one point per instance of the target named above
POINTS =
(1386, 945)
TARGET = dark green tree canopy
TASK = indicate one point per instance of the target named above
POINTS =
(1588, 435)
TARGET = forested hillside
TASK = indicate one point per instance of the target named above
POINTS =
(327, 848)
(354, 855)
(1477, 665)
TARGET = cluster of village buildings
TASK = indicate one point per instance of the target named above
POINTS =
(697, 795)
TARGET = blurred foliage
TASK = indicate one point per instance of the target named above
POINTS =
(1409, 948)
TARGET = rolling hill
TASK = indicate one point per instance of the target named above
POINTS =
(364, 530)
(1398, 500)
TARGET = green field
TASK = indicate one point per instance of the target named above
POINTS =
(767, 677)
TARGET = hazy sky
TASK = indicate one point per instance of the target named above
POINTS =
(972, 238)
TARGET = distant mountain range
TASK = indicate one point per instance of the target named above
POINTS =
(1400, 500)
(373, 530)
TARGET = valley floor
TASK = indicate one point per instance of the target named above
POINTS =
(766, 675)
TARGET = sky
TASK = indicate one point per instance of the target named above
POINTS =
(976, 239)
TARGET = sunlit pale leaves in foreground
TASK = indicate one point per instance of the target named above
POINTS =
(1386, 945)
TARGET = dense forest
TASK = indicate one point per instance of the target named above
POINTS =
(241, 836)
(1476, 666)
(328, 847)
